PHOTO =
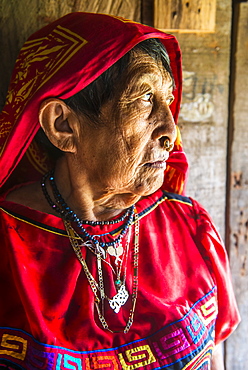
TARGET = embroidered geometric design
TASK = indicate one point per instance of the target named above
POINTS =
(17, 346)
(208, 311)
(196, 328)
(171, 343)
(101, 362)
(203, 360)
(184, 344)
(36, 65)
(143, 353)
(69, 362)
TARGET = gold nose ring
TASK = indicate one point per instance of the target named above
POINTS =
(167, 146)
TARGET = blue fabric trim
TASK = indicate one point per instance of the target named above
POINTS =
(123, 345)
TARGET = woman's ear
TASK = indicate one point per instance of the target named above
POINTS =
(59, 123)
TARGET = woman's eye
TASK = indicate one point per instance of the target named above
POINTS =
(147, 97)
(169, 99)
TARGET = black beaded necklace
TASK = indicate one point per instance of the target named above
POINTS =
(68, 214)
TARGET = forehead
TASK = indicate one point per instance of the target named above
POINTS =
(142, 67)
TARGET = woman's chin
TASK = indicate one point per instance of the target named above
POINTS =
(149, 186)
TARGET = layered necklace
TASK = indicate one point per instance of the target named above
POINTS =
(101, 249)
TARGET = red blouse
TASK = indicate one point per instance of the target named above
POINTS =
(185, 302)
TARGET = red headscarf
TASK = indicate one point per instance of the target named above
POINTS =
(60, 60)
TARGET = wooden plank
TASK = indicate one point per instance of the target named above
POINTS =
(147, 12)
(236, 346)
(53, 9)
(19, 19)
(204, 112)
(186, 16)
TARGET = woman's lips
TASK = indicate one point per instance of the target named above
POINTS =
(156, 164)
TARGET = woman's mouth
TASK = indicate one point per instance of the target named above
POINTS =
(157, 164)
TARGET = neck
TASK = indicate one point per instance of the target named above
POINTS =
(86, 199)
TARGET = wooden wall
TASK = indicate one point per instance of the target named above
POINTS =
(214, 111)
(204, 111)
(237, 191)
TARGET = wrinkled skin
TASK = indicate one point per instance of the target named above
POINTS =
(123, 158)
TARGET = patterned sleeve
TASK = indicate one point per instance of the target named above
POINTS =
(212, 247)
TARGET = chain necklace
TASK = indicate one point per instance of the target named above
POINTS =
(122, 295)
(89, 246)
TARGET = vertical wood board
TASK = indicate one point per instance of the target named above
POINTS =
(236, 347)
(204, 112)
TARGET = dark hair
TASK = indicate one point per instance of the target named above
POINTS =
(90, 100)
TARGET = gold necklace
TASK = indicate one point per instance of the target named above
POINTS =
(113, 252)
(122, 295)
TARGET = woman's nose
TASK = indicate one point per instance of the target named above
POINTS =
(165, 130)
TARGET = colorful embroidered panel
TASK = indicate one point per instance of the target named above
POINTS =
(184, 344)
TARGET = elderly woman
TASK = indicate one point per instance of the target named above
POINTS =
(104, 263)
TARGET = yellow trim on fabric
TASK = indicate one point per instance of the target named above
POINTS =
(69, 32)
(180, 201)
(150, 210)
(161, 201)
(114, 234)
(32, 43)
(42, 228)
(30, 223)
(97, 364)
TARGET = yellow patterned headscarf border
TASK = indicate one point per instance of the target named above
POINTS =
(36, 64)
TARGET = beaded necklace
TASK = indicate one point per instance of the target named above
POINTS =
(68, 214)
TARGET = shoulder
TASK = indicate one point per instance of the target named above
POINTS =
(184, 211)
(170, 211)
(27, 195)
(187, 204)
(177, 203)
(178, 199)
(23, 194)
(170, 204)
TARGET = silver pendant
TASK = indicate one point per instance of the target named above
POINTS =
(119, 299)
(116, 252)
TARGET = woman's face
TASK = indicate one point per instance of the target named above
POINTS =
(125, 155)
